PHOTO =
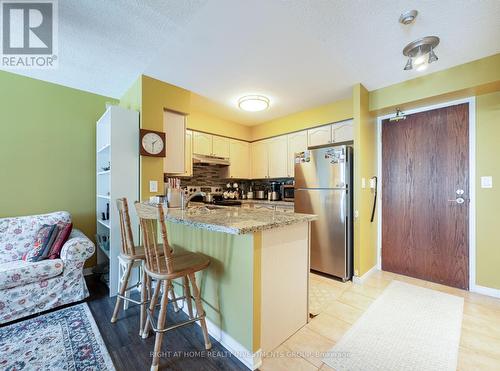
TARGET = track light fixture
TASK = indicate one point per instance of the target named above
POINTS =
(417, 50)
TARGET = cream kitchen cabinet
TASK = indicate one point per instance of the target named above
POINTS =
(342, 131)
(334, 133)
(277, 157)
(174, 125)
(319, 136)
(202, 143)
(297, 142)
(220, 146)
(239, 158)
(210, 145)
(189, 154)
(260, 159)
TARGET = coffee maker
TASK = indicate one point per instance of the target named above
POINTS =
(274, 193)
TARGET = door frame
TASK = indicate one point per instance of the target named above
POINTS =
(472, 180)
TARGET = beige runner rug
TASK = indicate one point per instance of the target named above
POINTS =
(406, 328)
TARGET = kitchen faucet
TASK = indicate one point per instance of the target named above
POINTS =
(187, 200)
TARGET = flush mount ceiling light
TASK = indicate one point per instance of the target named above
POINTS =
(408, 17)
(420, 53)
(253, 103)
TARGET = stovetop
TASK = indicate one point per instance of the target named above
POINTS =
(227, 202)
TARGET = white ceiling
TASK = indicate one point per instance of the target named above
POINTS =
(299, 53)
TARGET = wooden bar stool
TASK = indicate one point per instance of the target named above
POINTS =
(164, 268)
(132, 256)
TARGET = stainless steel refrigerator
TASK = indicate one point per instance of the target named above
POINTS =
(323, 186)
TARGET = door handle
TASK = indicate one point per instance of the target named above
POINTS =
(458, 200)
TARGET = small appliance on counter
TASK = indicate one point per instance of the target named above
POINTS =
(274, 192)
(288, 192)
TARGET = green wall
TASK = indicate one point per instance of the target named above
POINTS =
(47, 149)
(488, 199)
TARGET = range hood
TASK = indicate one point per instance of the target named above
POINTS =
(210, 160)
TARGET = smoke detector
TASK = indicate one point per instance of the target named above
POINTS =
(408, 17)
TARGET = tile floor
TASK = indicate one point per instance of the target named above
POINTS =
(479, 343)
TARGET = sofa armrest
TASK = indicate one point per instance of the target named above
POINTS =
(77, 249)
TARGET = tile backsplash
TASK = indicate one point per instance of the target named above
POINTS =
(204, 175)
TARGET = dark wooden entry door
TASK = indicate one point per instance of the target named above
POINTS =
(425, 168)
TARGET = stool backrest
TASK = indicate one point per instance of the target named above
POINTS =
(128, 247)
(152, 217)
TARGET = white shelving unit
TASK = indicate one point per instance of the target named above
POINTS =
(117, 146)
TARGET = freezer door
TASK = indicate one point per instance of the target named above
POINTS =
(329, 231)
(321, 168)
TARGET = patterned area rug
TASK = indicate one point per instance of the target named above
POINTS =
(67, 339)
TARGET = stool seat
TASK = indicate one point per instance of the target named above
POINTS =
(183, 263)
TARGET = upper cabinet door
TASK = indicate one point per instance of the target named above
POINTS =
(278, 158)
(319, 136)
(239, 157)
(189, 154)
(297, 142)
(220, 146)
(174, 125)
(202, 143)
(259, 159)
(343, 131)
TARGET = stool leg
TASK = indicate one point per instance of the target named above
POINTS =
(144, 279)
(200, 311)
(172, 294)
(187, 294)
(161, 326)
(123, 287)
(152, 304)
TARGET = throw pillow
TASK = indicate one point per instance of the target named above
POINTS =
(42, 237)
(61, 238)
(48, 245)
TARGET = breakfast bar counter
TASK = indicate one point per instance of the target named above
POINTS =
(234, 220)
(255, 291)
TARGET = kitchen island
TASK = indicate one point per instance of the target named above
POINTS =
(255, 291)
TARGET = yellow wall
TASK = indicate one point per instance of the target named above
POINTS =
(204, 122)
(332, 112)
(157, 96)
(474, 78)
(365, 166)
(481, 78)
(488, 200)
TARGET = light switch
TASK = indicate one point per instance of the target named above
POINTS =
(486, 182)
(153, 186)
(363, 183)
(356, 214)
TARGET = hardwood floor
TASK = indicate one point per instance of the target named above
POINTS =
(479, 343)
(183, 348)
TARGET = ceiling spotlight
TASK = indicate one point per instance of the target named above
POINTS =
(253, 103)
(432, 56)
(409, 65)
(408, 17)
(418, 50)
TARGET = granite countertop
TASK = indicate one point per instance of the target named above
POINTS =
(234, 220)
(267, 202)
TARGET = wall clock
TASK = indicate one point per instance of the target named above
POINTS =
(152, 143)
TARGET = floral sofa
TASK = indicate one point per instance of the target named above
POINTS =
(32, 287)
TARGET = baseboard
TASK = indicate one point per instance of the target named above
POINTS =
(485, 291)
(360, 279)
(249, 359)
